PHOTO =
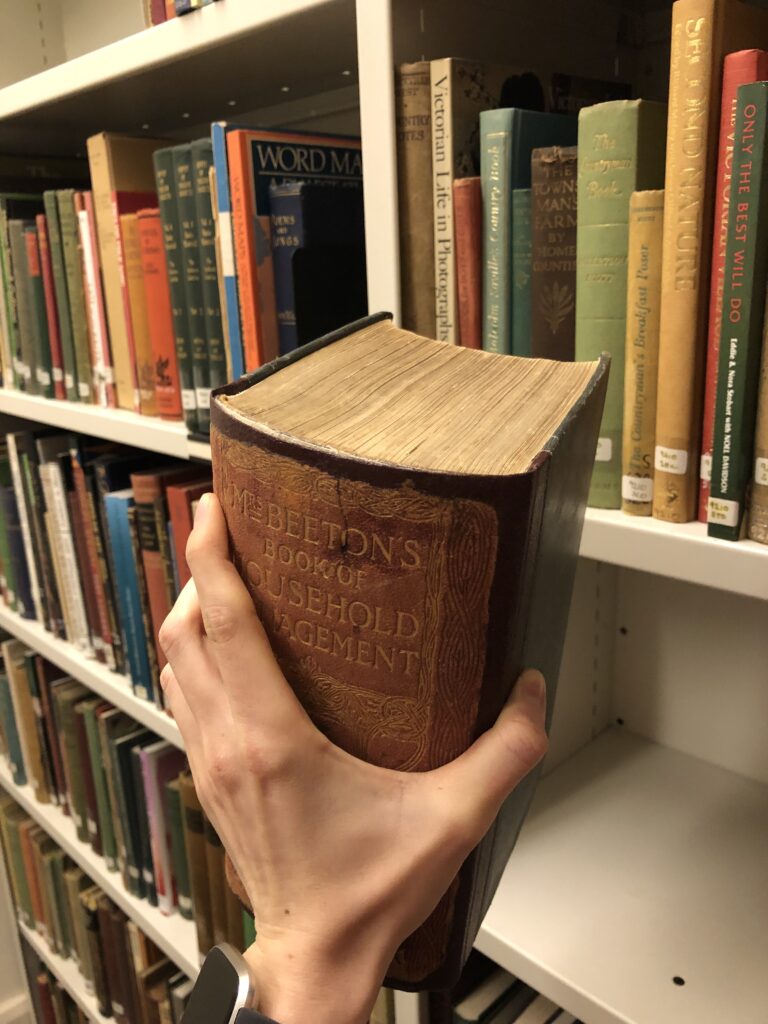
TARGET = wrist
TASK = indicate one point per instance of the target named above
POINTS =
(294, 986)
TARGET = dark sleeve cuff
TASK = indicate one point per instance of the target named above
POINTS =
(252, 1017)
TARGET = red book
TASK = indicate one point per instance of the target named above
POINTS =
(158, 13)
(159, 314)
(738, 69)
(180, 498)
(468, 224)
(45, 999)
(51, 312)
(98, 334)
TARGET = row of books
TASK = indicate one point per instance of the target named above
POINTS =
(158, 11)
(127, 791)
(538, 248)
(51, 1003)
(180, 268)
(125, 971)
(92, 542)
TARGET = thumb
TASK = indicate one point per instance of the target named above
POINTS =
(481, 778)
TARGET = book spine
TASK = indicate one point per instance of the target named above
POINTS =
(41, 611)
(17, 571)
(98, 487)
(11, 733)
(149, 526)
(180, 873)
(110, 241)
(143, 842)
(58, 594)
(522, 259)
(39, 315)
(495, 174)
(226, 250)
(61, 296)
(413, 119)
(169, 216)
(25, 367)
(109, 954)
(202, 163)
(22, 845)
(468, 221)
(287, 217)
(51, 312)
(36, 506)
(89, 786)
(192, 278)
(85, 576)
(159, 315)
(89, 534)
(158, 12)
(51, 730)
(134, 275)
(103, 377)
(758, 497)
(103, 806)
(738, 69)
(8, 585)
(46, 756)
(26, 721)
(214, 858)
(746, 264)
(89, 910)
(126, 802)
(441, 106)
(74, 768)
(12, 340)
(646, 219)
(117, 819)
(194, 843)
(694, 80)
(553, 272)
(68, 560)
(73, 264)
(150, 634)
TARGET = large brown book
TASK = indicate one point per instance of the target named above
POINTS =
(703, 32)
(432, 537)
(553, 272)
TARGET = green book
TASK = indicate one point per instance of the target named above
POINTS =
(75, 880)
(621, 151)
(39, 315)
(11, 733)
(50, 854)
(120, 754)
(26, 365)
(249, 929)
(11, 816)
(744, 283)
(103, 806)
(202, 160)
(64, 698)
(78, 315)
(62, 295)
(165, 180)
(178, 849)
(522, 262)
(9, 295)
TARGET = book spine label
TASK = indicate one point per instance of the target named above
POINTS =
(202, 163)
(145, 372)
(738, 69)
(169, 216)
(694, 84)
(159, 315)
(73, 264)
(646, 218)
(193, 285)
(226, 250)
(468, 221)
(522, 260)
(413, 114)
(51, 312)
(441, 106)
(495, 173)
(553, 271)
(746, 263)
(42, 346)
(287, 237)
(102, 376)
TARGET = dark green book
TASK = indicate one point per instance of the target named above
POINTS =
(744, 280)
(11, 733)
(43, 739)
(127, 805)
(62, 295)
(522, 263)
(169, 216)
(202, 161)
(41, 340)
(11, 816)
(103, 805)
(178, 849)
(64, 699)
(73, 267)
(9, 294)
(26, 365)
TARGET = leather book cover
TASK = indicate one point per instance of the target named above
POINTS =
(306, 520)
(180, 498)
(126, 977)
(553, 270)
(468, 227)
(86, 769)
(109, 957)
(134, 274)
(89, 908)
(159, 315)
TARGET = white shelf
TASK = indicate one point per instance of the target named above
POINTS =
(96, 676)
(682, 551)
(173, 934)
(68, 974)
(638, 864)
(249, 52)
(199, 450)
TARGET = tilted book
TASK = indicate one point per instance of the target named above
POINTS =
(409, 556)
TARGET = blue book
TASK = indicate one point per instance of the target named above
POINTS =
(11, 733)
(126, 583)
(223, 201)
(508, 138)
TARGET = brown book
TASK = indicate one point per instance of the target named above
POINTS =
(448, 543)
(553, 274)
(89, 908)
(194, 843)
(29, 830)
(127, 978)
(26, 720)
(180, 498)
(123, 181)
(153, 990)
(703, 32)
(86, 770)
(44, 985)
(413, 114)
(214, 859)
(145, 370)
(109, 956)
(468, 224)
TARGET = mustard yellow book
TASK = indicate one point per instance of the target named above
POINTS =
(646, 218)
(134, 276)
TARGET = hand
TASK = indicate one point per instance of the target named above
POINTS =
(341, 860)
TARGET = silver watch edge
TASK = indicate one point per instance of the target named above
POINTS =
(246, 993)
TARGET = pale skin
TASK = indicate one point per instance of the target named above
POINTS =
(341, 860)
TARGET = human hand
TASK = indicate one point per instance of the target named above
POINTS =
(341, 860)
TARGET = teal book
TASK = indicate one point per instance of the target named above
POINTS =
(741, 332)
(507, 140)
(522, 264)
(621, 151)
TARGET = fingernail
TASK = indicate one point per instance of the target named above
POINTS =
(534, 686)
(201, 511)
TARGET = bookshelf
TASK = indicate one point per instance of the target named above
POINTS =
(643, 858)
(67, 973)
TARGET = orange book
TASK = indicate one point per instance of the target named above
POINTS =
(181, 499)
(134, 276)
(468, 223)
(159, 315)
(35, 897)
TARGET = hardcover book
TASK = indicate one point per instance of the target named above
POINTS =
(522, 261)
(464, 543)
(468, 226)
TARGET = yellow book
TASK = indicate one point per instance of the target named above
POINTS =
(134, 276)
